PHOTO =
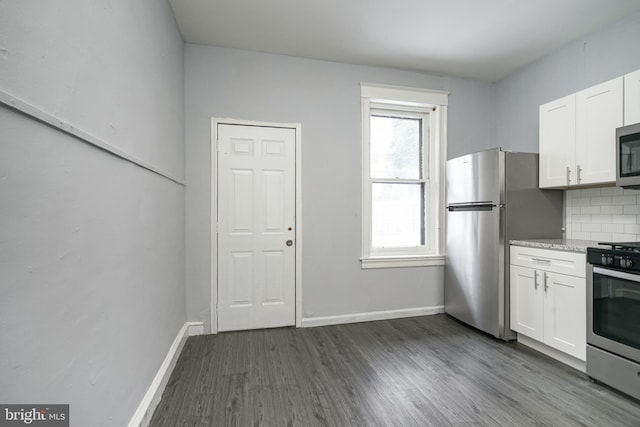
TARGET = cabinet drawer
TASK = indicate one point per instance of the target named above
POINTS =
(571, 263)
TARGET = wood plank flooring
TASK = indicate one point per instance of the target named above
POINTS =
(421, 371)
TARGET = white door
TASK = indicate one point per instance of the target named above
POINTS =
(557, 142)
(256, 218)
(526, 302)
(598, 114)
(632, 98)
(565, 314)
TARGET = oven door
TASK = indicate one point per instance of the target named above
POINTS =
(613, 311)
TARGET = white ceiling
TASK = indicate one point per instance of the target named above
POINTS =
(483, 39)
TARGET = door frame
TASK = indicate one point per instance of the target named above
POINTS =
(297, 127)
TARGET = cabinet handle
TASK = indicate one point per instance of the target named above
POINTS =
(546, 286)
(578, 170)
(546, 261)
(535, 279)
(568, 175)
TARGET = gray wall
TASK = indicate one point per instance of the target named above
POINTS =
(325, 98)
(92, 289)
(596, 58)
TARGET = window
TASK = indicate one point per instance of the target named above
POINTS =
(403, 132)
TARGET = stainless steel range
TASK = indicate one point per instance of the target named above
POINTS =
(613, 315)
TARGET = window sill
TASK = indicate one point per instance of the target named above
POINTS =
(402, 261)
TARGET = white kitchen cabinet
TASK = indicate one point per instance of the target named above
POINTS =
(557, 142)
(599, 111)
(632, 98)
(547, 304)
(526, 302)
(577, 136)
(565, 313)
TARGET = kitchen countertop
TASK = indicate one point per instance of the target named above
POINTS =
(569, 245)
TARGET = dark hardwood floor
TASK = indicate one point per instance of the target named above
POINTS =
(421, 371)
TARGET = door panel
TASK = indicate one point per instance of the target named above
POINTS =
(526, 302)
(274, 276)
(557, 143)
(598, 114)
(632, 98)
(241, 215)
(473, 274)
(475, 178)
(240, 282)
(565, 314)
(274, 188)
(256, 218)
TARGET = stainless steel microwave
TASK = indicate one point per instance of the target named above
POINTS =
(628, 156)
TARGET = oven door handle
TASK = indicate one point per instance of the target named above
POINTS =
(617, 274)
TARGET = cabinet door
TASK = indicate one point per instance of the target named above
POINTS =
(557, 142)
(598, 114)
(526, 302)
(632, 98)
(565, 319)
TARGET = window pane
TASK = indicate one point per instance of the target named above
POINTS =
(397, 215)
(396, 150)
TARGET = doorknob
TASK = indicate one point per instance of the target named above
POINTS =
(289, 242)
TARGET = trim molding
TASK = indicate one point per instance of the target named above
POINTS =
(407, 95)
(311, 322)
(558, 355)
(143, 414)
(215, 121)
(195, 328)
(394, 262)
(413, 100)
(35, 113)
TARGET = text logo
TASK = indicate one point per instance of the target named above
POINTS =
(34, 415)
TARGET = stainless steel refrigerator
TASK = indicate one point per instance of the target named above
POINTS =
(492, 197)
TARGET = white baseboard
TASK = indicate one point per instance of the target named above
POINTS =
(575, 363)
(195, 328)
(143, 414)
(310, 322)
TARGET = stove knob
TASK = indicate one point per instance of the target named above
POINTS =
(607, 260)
(626, 263)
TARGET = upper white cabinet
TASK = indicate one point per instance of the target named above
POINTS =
(557, 142)
(632, 98)
(577, 136)
(598, 114)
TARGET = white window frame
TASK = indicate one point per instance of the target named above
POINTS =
(432, 107)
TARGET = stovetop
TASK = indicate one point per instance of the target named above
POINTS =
(619, 255)
(622, 246)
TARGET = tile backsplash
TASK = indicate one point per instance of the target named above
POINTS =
(602, 214)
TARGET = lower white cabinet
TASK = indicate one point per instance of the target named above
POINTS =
(527, 302)
(546, 305)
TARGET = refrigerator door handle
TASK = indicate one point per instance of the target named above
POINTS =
(476, 206)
